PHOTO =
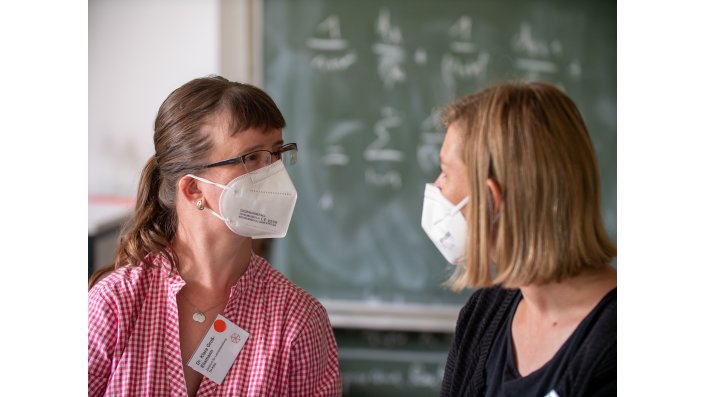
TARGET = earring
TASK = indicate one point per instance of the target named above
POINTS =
(199, 204)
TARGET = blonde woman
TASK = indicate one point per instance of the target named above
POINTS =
(516, 208)
(188, 308)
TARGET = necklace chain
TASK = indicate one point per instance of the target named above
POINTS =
(199, 315)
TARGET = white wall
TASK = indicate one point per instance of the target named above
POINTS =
(138, 52)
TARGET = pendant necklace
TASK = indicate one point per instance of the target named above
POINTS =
(199, 315)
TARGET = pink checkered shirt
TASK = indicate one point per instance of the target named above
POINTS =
(133, 337)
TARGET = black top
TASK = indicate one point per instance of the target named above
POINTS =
(503, 378)
(587, 365)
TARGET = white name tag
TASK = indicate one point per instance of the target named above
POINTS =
(217, 351)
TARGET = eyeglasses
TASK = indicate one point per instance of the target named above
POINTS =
(260, 158)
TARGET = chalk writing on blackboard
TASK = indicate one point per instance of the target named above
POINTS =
(464, 60)
(336, 155)
(358, 82)
(427, 152)
(389, 49)
(541, 58)
(379, 151)
(332, 52)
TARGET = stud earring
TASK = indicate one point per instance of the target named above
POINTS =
(199, 204)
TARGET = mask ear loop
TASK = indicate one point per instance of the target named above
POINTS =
(456, 209)
(214, 184)
(461, 204)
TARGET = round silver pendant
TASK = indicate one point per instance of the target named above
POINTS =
(199, 317)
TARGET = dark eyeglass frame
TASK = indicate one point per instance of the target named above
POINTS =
(241, 159)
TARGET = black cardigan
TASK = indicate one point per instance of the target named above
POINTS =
(591, 372)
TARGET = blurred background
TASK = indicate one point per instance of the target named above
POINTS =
(360, 85)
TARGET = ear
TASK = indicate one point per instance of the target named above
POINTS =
(496, 194)
(189, 189)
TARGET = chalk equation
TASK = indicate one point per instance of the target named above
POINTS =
(431, 140)
(382, 156)
(539, 57)
(390, 52)
(464, 58)
(382, 151)
(332, 50)
(461, 62)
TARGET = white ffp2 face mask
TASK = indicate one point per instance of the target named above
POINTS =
(258, 204)
(444, 224)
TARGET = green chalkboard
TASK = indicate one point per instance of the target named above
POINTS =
(360, 84)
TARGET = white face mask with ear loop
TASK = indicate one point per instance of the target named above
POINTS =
(444, 224)
(258, 204)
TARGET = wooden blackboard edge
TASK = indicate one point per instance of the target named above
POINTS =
(391, 316)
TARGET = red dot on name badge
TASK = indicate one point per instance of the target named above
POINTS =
(219, 326)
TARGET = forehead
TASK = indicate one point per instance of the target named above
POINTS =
(227, 144)
(232, 145)
(451, 150)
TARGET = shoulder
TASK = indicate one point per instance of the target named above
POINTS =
(480, 318)
(475, 330)
(280, 291)
(603, 324)
(120, 280)
(593, 367)
(486, 302)
(113, 303)
(121, 287)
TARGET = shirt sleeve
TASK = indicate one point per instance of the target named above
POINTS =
(102, 333)
(314, 360)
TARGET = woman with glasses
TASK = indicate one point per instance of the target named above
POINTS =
(516, 210)
(188, 308)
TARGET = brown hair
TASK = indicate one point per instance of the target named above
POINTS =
(531, 140)
(180, 148)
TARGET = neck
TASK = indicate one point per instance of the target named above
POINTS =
(577, 294)
(211, 266)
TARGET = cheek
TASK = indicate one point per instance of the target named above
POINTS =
(453, 195)
(230, 172)
(212, 196)
(456, 192)
(447, 191)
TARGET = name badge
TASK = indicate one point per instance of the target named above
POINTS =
(217, 351)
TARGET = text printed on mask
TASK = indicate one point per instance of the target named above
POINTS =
(256, 217)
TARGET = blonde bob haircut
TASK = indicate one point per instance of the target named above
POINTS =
(531, 140)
